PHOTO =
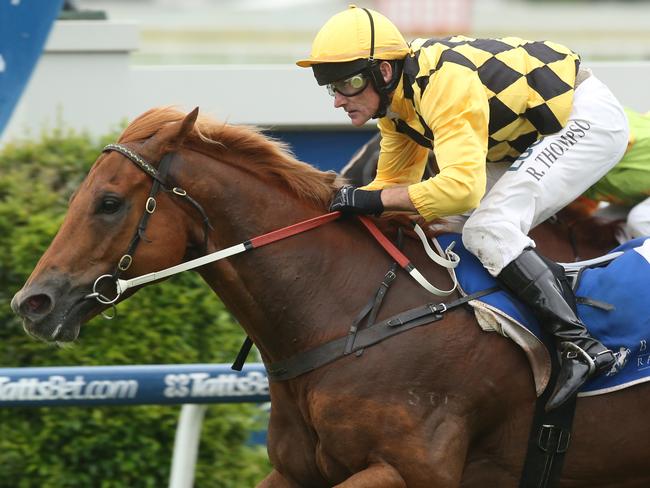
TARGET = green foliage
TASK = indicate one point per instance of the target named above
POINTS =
(179, 321)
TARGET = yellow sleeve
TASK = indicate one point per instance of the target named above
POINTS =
(455, 107)
(401, 160)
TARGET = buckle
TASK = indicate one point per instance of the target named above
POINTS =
(553, 439)
(438, 309)
(388, 278)
(395, 322)
(150, 206)
(125, 262)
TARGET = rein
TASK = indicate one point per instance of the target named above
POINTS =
(263, 240)
(122, 285)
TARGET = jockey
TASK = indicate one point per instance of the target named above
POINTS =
(519, 129)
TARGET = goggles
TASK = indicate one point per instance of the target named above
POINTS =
(349, 87)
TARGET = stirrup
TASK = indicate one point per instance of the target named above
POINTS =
(573, 351)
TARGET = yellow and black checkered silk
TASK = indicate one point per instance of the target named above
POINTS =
(472, 101)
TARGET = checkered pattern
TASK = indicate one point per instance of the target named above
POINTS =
(529, 86)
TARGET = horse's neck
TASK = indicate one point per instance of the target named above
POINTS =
(295, 293)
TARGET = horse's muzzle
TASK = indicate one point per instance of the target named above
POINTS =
(48, 319)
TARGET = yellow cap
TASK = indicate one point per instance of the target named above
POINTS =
(347, 36)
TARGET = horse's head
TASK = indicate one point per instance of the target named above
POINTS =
(114, 213)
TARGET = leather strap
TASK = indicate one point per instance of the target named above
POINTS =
(311, 359)
(550, 434)
(371, 309)
(244, 350)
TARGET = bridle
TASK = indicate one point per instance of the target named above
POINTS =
(160, 178)
(160, 181)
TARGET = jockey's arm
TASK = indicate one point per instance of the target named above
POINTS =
(455, 108)
(397, 198)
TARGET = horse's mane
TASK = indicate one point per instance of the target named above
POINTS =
(242, 145)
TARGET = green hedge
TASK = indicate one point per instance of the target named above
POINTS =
(178, 321)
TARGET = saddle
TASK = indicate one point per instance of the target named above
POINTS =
(602, 288)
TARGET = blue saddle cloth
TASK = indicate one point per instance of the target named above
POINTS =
(623, 283)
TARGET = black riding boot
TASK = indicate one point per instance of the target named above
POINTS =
(531, 279)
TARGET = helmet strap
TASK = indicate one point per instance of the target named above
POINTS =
(377, 80)
(371, 58)
(383, 88)
(376, 76)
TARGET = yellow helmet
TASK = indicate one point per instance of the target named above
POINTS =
(349, 39)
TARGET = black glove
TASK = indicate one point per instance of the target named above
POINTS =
(349, 199)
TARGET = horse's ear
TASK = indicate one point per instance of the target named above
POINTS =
(185, 128)
(170, 137)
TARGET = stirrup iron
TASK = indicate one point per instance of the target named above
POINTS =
(572, 351)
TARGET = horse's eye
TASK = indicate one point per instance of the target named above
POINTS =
(109, 205)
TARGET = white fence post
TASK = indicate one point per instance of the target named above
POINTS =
(186, 445)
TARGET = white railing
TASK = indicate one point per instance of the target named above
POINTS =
(86, 80)
(193, 385)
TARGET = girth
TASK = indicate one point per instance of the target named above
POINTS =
(331, 351)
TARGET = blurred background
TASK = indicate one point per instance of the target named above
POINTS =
(281, 31)
(104, 63)
(108, 61)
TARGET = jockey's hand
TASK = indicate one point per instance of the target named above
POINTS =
(351, 200)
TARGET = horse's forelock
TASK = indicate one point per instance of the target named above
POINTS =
(267, 157)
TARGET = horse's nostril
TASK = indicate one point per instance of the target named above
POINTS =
(36, 305)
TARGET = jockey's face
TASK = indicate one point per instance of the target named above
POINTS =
(360, 107)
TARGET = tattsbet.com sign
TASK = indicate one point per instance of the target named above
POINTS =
(140, 387)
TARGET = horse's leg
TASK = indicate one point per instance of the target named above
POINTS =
(276, 480)
(375, 476)
(443, 468)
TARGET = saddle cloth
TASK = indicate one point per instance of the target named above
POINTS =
(623, 283)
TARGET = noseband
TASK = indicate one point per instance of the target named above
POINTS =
(161, 181)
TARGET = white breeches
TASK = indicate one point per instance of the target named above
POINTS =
(549, 175)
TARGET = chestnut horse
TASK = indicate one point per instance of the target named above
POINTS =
(442, 405)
